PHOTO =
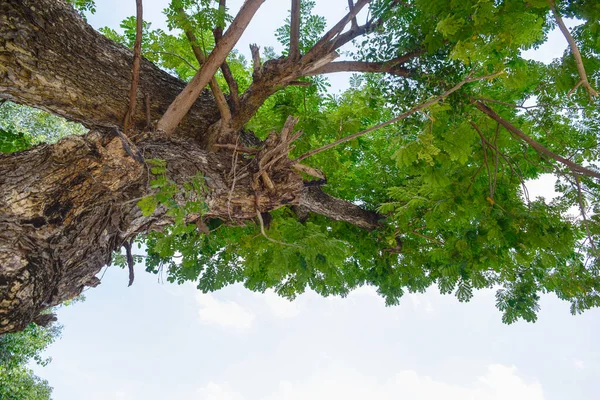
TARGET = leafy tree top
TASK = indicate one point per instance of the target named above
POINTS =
(448, 181)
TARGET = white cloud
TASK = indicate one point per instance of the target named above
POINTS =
(415, 299)
(579, 364)
(226, 314)
(498, 383)
(213, 391)
(279, 306)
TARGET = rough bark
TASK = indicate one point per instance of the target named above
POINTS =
(51, 59)
(65, 208)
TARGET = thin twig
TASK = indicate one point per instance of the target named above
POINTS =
(428, 238)
(505, 158)
(167, 53)
(262, 231)
(585, 220)
(398, 118)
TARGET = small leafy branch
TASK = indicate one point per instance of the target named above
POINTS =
(180, 202)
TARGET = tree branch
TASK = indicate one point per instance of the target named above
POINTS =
(256, 62)
(398, 118)
(324, 45)
(576, 54)
(357, 31)
(184, 101)
(354, 22)
(319, 202)
(135, 74)
(214, 85)
(231, 82)
(218, 31)
(537, 146)
(295, 31)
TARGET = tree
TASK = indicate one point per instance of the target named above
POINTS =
(268, 181)
(17, 381)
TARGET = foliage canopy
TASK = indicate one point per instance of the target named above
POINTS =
(450, 182)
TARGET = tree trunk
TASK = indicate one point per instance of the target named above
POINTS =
(65, 208)
(51, 59)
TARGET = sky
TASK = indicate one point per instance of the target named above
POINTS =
(164, 341)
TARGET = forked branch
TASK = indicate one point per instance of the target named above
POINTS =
(214, 85)
(325, 44)
(184, 101)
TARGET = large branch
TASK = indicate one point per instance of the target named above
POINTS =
(70, 69)
(319, 202)
(199, 54)
(533, 143)
(184, 101)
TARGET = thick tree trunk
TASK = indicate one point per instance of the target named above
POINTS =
(51, 59)
(65, 208)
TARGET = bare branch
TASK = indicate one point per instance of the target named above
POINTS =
(256, 62)
(357, 31)
(324, 44)
(135, 74)
(231, 82)
(354, 22)
(576, 54)
(309, 170)
(184, 101)
(214, 85)
(537, 146)
(234, 91)
(398, 118)
(295, 31)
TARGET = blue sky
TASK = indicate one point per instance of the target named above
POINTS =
(163, 341)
